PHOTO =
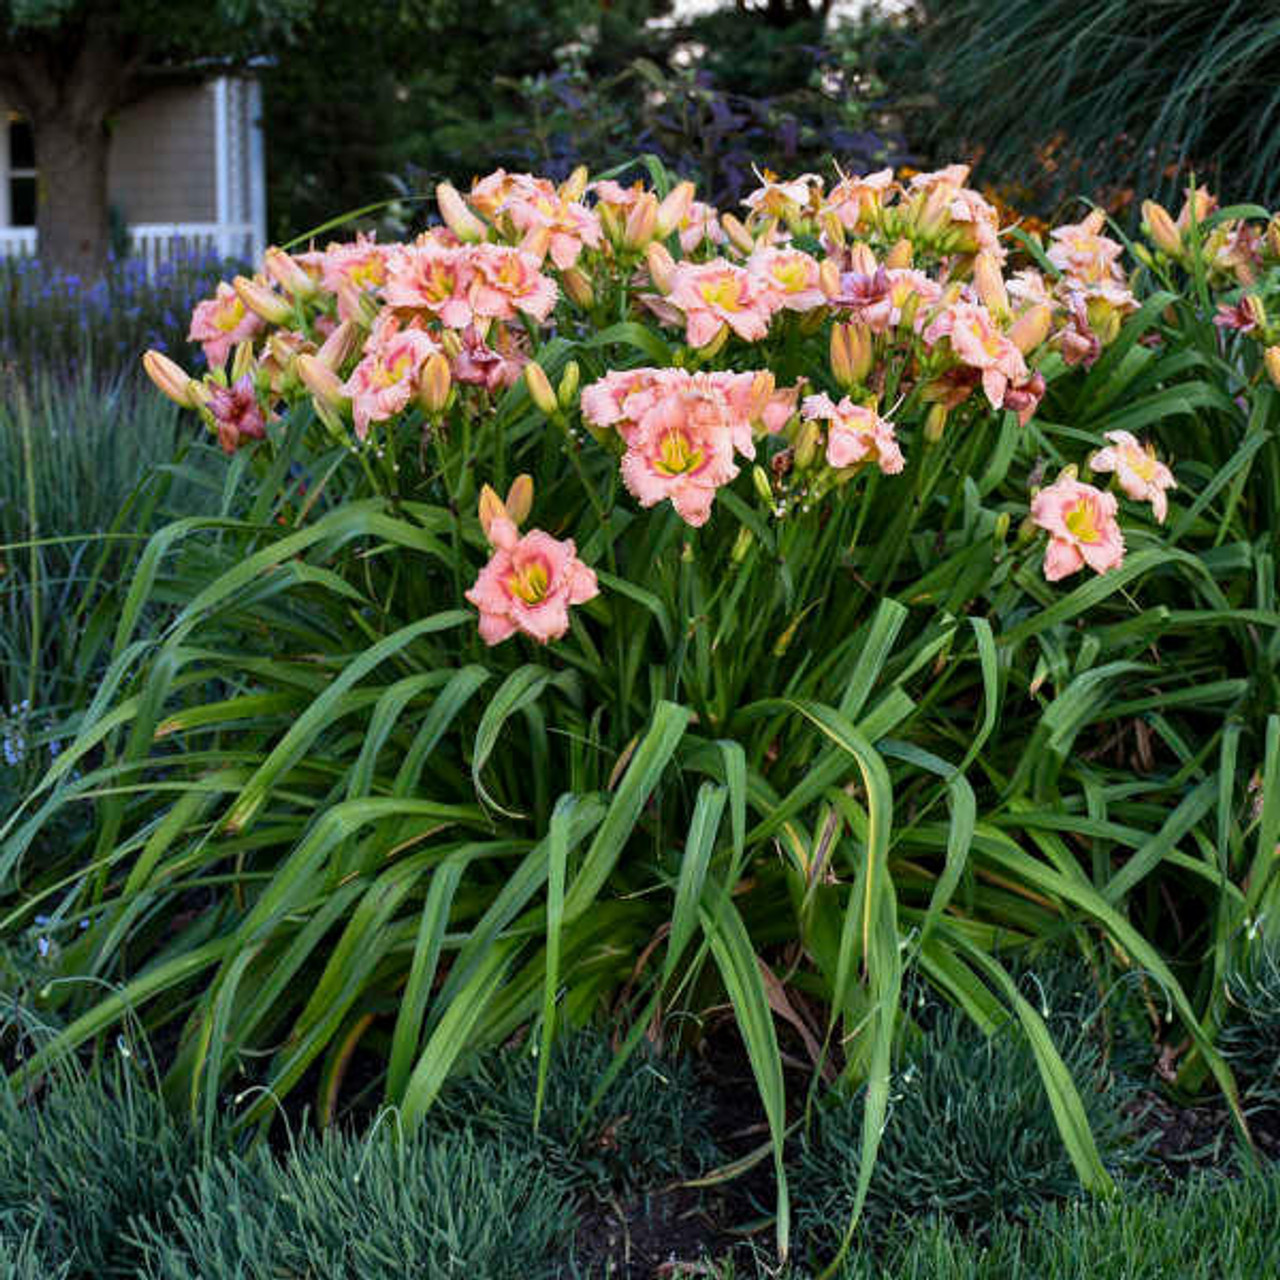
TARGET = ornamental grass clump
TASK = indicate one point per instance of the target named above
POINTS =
(970, 1137)
(651, 1127)
(622, 606)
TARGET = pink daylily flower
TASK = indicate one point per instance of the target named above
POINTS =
(856, 201)
(1082, 527)
(221, 322)
(570, 225)
(1142, 476)
(433, 280)
(388, 376)
(855, 434)
(786, 279)
(508, 282)
(529, 584)
(715, 294)
(978, 343)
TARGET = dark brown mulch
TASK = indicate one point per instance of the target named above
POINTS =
(1188, 1138)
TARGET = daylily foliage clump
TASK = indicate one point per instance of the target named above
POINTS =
(627, 604)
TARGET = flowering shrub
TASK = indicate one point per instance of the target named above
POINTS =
(775, 696)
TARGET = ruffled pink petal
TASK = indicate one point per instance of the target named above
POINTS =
(1061, 559)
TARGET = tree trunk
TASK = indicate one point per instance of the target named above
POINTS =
(71, 209)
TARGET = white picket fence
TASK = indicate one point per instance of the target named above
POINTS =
(157, 242)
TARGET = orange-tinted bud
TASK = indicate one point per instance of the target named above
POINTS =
(662, 266)
(536, 242)
(829, 277)
(491, 508)
(575, 184)
(457, 216)
(519, 499)
(862, 260)
(642, 222)
(1160, 227)
(739, 236)
(900, 256)
(1197, 207)
(540, 388)
(291, 277)
(1273, 236)
(989, 284)
(674, 208)
(578, 287)
(339, 346)
(852, 354)
(762, 389)
(321, 381)
(171, 378)
(1271, 361)
(270, 306)
(1032, 327)
(833, 229)
(436, 384)
(242, 360)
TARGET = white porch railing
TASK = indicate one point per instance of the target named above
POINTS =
(157, 242)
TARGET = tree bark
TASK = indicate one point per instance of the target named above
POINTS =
(71, 210)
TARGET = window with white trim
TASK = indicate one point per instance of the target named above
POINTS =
(17, 172)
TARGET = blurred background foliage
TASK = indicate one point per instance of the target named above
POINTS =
(1049, 99)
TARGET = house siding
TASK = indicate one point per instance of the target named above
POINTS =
(161, 166)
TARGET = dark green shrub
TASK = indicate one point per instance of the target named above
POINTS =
(970, 1135)
(652, 1125)
(344, 1209)
(1208, 1230)
(76, 1166)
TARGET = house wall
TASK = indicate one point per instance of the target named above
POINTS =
(162, 165)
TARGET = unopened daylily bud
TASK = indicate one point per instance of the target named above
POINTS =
(760, 478)
(1160, 227)
(907, 312)
(763, 385)
(575, 184)
(540, 388)
(935, 210)
(171, 378)
(360, 306)
(808, 440)
(451, 343)
(270, 306)
(989, 284)
(741, 545)
(833, 229)
(519, 499)
(568, 388)
(662, 266)
(295, 281)
(578, 287)
(713, 348)
(241, 360)
(457, 216)
(642, 222)
(339, 345)
(935, 422)
(1253, 307)
(739, 236)
(900, 256)
(829, 277)
(321, 381)
(1001, 531)
(491, 508)
(851, 354)
(1273, 236)
(862, 260)
(536, 242)
(1271, 360)
(436, 383)
(674, 208)
(610, 222)
(1032, 327)
(1198, 205)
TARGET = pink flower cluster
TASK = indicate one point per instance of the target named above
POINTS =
(681, 430)
(457, 286)
(855, 434)
(980, 345)
(531, 580)
(1141, 475)
(220, 322)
